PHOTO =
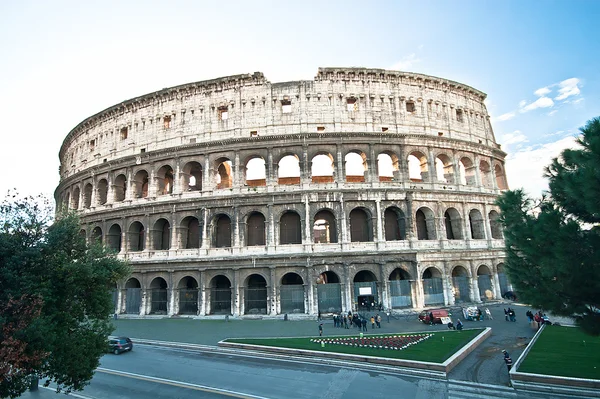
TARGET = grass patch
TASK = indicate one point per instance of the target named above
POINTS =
(564, 351)
(435, 349)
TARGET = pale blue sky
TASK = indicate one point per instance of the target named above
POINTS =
(66, 60)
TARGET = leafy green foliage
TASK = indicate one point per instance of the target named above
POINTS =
(553, 244)
(73, 280)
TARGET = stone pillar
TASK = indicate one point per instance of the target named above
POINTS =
(305, 171)
(274, 302)
(479, 182)
(339, 172)
(311, 304)
(177, 176)
(152, 186)
(93, 196)
(431, 166)
(270, 227)
(205, 238)
(203, 307)
(447, 285)
(110, 193)
(173, 296)
(128, 186)
(174, 231)
(379, 224)
(496, 285)
(236, 227)
(371, 174)
(419, 296)
(207, 176)
(235, 293)
(270, 172)
(385, 286)
(348, 288)
(237, 173)
(474, 294)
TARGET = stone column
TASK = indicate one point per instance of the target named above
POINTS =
(343, 223)
(203, 307)
(431, 166)
(270, 172)
(172, 295)
(236, 227)
(379, 225)
(447, 284)
(339, 175)
(274, 302)
(237, 173)
(311, 304)
(174, 231)
(177, 176)
(385, 286)
(235, 293)
(371, 174)
(496, 285)
(479, 182)
(207, 182)
(128, 190)
(348, 288)
(205, 238)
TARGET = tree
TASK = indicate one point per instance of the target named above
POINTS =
(553, 243)
(55, 297)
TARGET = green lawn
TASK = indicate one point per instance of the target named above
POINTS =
(564, 351)
(435, 349)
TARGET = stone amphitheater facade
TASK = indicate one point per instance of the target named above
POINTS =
(360, 188)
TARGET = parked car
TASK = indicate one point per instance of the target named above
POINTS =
(119, 345)
(437, 315)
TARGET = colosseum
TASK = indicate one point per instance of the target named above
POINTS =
(238, 196)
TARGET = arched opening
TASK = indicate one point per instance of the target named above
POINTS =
(365, 291)
(158, 296)
(425, 220)
(288, 170)
(502, 279)
(467, 172)
(322, 168)
(137, 237)
(120, 188)
(394, 224)
(433, 287)
(190, 233)
(417, 166)
(222, 235)
(187, 291)
(87, 196)
(356, 165)
(161, 235)
(460, 284)
(484, 280)
(192, 176)
(400, 289)
(477, 225)
(220, 295)
(164, 180)
(133, 296)
(324, 229)
(500, 178)
(444, 169)
(255, 230)
(102, 191)
(113, 239)
(486, 174)
(387, 165)
(256, 174)
(360, 226)
(453, 223)
(97, 235)
(223, 175)
(291, 294)
(290, 230)
(140, 184)
(76, 195)
(67, 202)
(255, 295)
(329, 292)
(495, 225)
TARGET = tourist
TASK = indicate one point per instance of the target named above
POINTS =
(378, 320)
(321, 330)
(459, 325)
(507, 360)
(373, 322)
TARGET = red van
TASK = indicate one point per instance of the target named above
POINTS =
(437, 315)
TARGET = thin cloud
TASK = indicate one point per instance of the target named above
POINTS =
(542, 92)
(568, 88)
(406, 62)
(509, 139)
(542, 102)
(505, 117)
(552, 112)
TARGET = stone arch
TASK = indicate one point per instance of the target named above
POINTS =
(140, 184)
(255, 294)
(137, 237)
(355, 166)
(291, 293)
(433, 287)
(387, 166)
(495, 225)
(484, 280)
(453, 223)
(322, 168)
(192, 176)
(417, 166)
(222, 231)
(394, 224)
(467, 171)
(329, 292)
(461, 286)
(67, 202)
(102, 191)
(324, 227)
(187, 296)
(365, 290)
(164, 180)
(76, 195)
(190, 233)
(401, 288)
(500, 177)
(502, 279)
(255, 172)
(97, 235)
(361, 226)
(444, 168)
(425, 221)
(113, 238)
(158, 296)
(120, 188)
(161, 235)
(87, 195)
(476, 224)
(485, 172)
(255, 229)
(133, 296)
(290, 228)
(223, 174)
(288, 170)
(220, 295)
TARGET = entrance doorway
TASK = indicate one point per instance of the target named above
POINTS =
(366, 303)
